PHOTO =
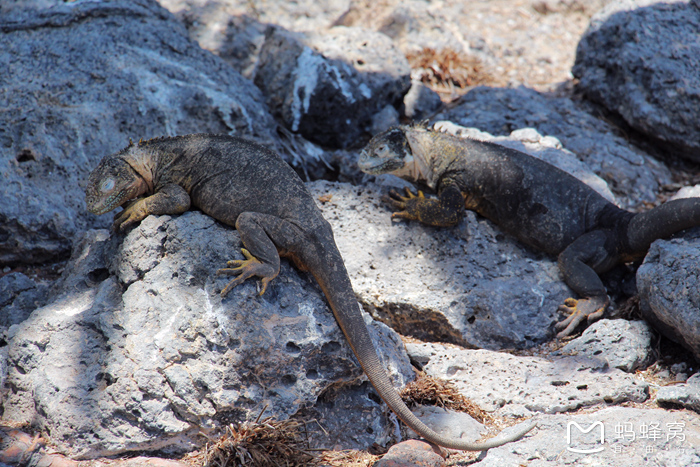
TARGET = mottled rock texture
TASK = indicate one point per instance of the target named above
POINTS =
(136, 350)
(640, 60)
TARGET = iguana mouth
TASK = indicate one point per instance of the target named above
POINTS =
(98, 208)
(373, 168)
(374, 165)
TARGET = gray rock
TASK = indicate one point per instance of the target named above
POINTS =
(623, 344)
(118, 70)
(328, 86)
(633, 176)
(13, 284)
(420, 101)
(640, 59)
(634, 437)
(469, 285)
(349, 417)
(496, 381)
(19, 296)
(236, 38)
(669, 290)
(146, 354)
(384, 119)
(686, 394)
(449, 423)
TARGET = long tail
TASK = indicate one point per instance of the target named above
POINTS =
(662, 222)
(329, 270)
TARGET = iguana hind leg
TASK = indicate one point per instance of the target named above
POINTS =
(261, 257)
(247, 268)
(592, 253)
(263, 236)
(590, 309)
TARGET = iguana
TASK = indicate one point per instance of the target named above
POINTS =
(246, 185)
(537, 203)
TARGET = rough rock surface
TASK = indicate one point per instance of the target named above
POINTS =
(632, 176)
(112, 70)
(118, 70)
(448, 422)
(623, 344)
(137, 351)
(635, 437)
(640, 59)
(517, 385)
(19, 296)
(469, 285)
(328, 86)
(686, 394)
(669, 290)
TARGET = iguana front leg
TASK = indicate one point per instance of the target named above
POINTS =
(170, 199)
(580, 264)
(445, 211)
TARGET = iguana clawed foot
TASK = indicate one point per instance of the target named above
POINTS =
(585, 308)
(407, 205)
(134, 211)
(246, 268)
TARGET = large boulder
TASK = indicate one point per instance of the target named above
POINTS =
(79, 80)
(325, 83)
(640, 59)
(669, 290)
(328, 86)
(519, 386)
(468, 285)
(622, 344)
(612, 436)
(137, 351)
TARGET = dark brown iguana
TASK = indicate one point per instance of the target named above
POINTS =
(245, 185)
(538, 203)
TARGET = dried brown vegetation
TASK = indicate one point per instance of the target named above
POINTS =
(265, 442)
(447, 71)
(427, 390)
(347, 458)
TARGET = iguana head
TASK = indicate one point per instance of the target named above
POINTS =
(112, 183)
(386, 153)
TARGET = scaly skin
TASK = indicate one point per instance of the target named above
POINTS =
(538, 203)
(246, 185)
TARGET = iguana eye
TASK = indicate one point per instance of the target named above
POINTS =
(107, 185)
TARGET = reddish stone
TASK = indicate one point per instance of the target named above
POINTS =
(412, 453)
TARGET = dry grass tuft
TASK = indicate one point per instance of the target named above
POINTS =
(446, 71)
(347, 458)
(427, 390)
(266, 442)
